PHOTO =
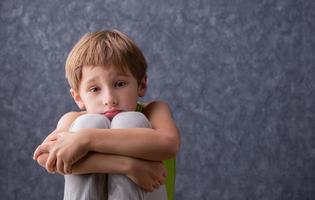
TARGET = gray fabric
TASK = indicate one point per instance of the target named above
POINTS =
(87, 186)
(119, 187)
(122, 188)
(133, 119)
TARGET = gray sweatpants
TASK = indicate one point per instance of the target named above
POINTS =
(113, 186)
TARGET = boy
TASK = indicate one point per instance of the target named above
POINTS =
(107, 73)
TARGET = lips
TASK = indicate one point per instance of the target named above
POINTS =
(111, 113)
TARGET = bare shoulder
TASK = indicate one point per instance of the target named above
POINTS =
(157, 108)
(160, 116)
(66, 120)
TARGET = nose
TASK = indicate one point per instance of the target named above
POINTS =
(109, 98)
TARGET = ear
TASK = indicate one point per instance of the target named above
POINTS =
(76, 97)
(143, 86)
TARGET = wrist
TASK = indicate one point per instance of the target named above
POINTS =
(86, 138)
(128, 166)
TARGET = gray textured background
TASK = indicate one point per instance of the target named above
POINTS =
(238, 74)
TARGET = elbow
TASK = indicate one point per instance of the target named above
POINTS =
(172, 147)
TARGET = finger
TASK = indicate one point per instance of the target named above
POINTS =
(161, 180)
(156, 185)
(39, 150)
(159, 177)
(50, 137)
(67, 168)
(148, 186)
(43, 148)
(51, 162)
(150, 189)
(41, 160)
(60, 167)
(60, 134)
(36, 153)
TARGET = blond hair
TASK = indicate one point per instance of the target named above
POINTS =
(104, 48)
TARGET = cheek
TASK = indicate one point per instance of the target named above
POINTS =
(130, 100)
(90, 103)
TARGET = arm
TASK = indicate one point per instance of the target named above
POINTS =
(146, 174)
(160, 143)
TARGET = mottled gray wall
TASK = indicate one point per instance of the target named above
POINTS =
(238, 74)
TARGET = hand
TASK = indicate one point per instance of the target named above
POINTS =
(67, 149)
(42, 151)
(42, 159)
(149, 175)
(46, 144)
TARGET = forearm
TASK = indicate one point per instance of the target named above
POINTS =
(145, 174)
(144, 143)
(96, 163)
(101, 163)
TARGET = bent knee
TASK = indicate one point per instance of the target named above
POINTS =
(130, 119)
(90, 121)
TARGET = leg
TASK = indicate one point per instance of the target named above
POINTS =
(87, 186)
(120, 187)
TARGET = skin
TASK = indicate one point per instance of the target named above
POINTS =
(135, 152)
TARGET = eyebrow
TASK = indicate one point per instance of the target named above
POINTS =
(121, 74)
(93, 79)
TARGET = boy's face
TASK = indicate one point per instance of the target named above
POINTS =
(108, 91)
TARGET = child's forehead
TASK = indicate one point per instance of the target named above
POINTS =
(109, 70)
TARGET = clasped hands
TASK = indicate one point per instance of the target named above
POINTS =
(59, 151)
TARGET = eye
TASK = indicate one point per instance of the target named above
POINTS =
(119, 84)
(93, 89)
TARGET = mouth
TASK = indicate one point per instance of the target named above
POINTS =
(111, 113)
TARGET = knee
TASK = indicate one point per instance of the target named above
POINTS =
(130, 119)
(90, 121)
